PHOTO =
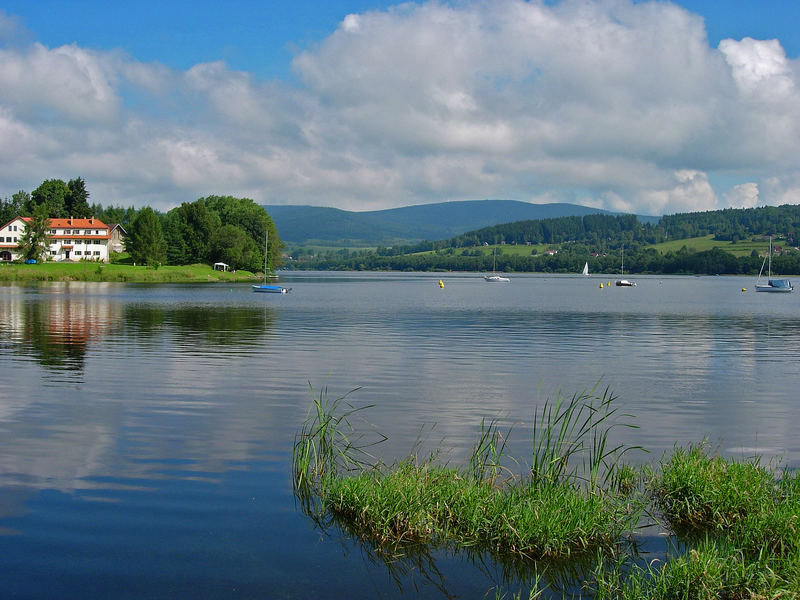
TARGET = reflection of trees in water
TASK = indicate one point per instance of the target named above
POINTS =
(58, 332)
(57, 339)
(418, 565)
(209, 325)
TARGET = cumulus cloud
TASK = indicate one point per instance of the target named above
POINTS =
(614, 104)
(744, 195)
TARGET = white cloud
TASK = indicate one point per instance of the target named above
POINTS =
(744, 195)
(66, 85)
(783, 189)
(760, 68)
(611, 103)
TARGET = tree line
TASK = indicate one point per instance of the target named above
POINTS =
(598, 239)
(211, 229)
(568, 260)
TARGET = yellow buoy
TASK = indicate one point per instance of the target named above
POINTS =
(744, 289)
(601, 286)
(441, 283)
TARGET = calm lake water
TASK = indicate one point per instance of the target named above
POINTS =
(146, 431)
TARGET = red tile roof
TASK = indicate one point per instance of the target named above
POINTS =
(90, 223)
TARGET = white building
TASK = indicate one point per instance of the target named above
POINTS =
(67, 239)
(10, 237)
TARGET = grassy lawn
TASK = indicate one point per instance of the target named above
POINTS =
(83, 271)
(503, 249)
(697, 244)
(700, 244)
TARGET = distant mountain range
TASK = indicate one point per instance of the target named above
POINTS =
(313, 225)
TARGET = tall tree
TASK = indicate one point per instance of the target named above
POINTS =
(245, 214)
(190, 227)
(231, 244)
(76, 202)
(52, 193)
(12, 207)
(33, 243)
(145, 240)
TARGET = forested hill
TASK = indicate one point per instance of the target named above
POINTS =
(605, 232)
(734, 241)
(407, 225)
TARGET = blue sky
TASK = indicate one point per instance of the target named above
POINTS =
(650, 107)
(261, 37)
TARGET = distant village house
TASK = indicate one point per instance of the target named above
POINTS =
(116, 242)
(67, 239)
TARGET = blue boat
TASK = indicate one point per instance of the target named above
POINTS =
(772, 285)
(264, 287)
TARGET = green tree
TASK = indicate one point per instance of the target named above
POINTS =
(252, 218)
(52, 193)
(231, 244)
(33, 244)
(12, 207)
(145, 240)
(76, 202)
(190, 227)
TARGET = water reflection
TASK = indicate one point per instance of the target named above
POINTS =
(59, 326)
(169, 411)
(57, 330)
(199, 325)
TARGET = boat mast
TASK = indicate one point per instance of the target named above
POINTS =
(266, 251)
(769, 270)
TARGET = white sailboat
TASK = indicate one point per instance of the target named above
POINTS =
(772, 285)
(585, 271)
(624, 282)
(264, 287)
(494, 277)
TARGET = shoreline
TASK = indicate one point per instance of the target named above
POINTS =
(120, 273)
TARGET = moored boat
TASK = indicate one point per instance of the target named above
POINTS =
(772, 285)
(265, 287)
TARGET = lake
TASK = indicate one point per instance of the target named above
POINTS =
(146, 430)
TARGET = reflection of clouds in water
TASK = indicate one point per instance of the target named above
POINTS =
(491, 368)
(212, 385)
(134, 402)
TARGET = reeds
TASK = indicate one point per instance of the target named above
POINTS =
(549, 514)
(571, 442)
(327, 448)
(741, 526)
(738, 522)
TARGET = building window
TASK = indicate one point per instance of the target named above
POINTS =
(77, 252)
(97, 253)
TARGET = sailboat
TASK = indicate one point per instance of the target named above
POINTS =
(624, 282)
(585, 271)
(494, 277)
(264, 287)
(772, 285)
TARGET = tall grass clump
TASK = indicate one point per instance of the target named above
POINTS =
(483, 505)
(571, 442)
(741, 520)
(711, 570)
(702, 492)
(327, 447)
